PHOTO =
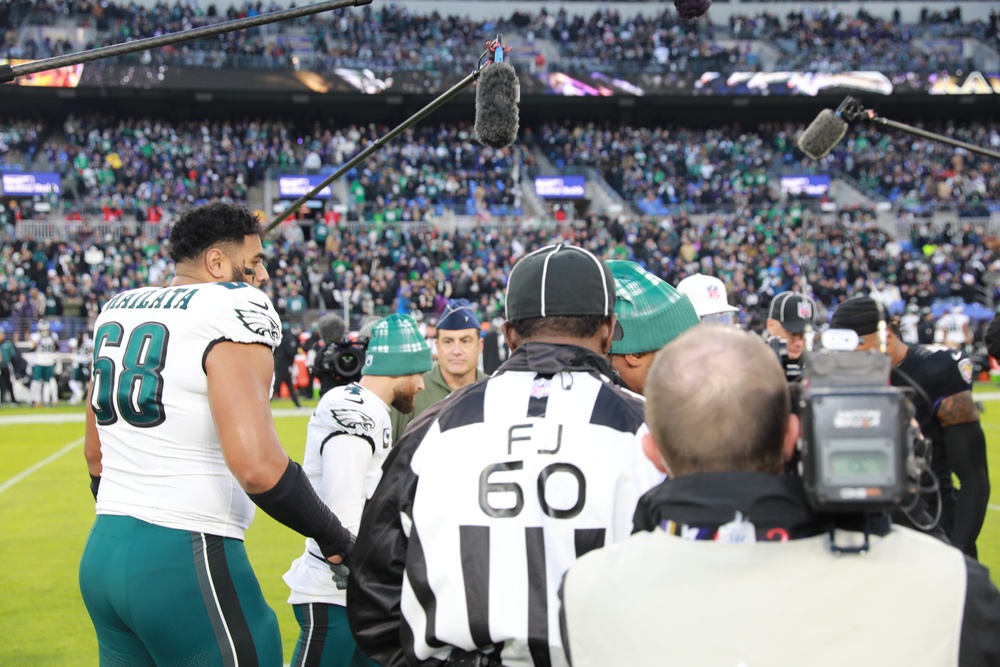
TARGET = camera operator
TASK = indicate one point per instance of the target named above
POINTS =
(698, 589)
(337, 362)
(948, 417)
(788, 319)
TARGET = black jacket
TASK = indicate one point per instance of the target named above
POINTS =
(381, 553)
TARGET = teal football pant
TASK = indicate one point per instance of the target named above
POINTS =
(326, 639)
(160, 596)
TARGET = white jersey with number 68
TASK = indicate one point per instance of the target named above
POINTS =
(162, 462)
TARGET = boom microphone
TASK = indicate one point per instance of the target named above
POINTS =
(829, 128)
(8, 73)
(495, 48)
(497, 96)
(692, 9)
(822, 134)
(331, 328)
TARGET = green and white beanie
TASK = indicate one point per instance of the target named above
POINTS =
(396, 348)
(651, 312)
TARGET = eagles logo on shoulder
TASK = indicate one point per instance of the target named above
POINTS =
(353, 420)
(259, 323)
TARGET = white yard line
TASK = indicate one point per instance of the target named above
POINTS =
(42, 418)
(41, 464)
(77, 417)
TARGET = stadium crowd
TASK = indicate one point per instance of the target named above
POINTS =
(374, 270)
(430, 168)
(135, 168)
(837, 42)
(609, 39)
(668, 165)
(916, 171)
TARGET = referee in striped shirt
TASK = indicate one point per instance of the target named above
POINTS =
(492, 493)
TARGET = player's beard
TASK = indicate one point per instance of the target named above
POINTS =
(402, 396)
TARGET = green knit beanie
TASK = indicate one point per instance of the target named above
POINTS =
(650, 311)
(397, 348)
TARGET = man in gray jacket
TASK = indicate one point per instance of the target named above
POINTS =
(695, 587)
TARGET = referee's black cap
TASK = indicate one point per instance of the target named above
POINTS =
(560, 280)
(860, 314)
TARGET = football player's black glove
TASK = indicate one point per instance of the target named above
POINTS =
(342, 569)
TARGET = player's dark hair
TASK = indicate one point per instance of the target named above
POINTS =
(200, 228)
(572, 326)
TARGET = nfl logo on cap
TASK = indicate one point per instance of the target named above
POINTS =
(805, 310)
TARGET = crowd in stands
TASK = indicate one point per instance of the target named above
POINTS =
(913, 171)
(19, 141)
(612, 38)
(135, 168)
(609, 41)
(374, 270)
(662, 165)
(429, 168)
(836, 42)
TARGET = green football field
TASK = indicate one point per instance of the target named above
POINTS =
(46, 511)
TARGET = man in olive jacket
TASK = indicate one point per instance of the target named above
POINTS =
(459, 345)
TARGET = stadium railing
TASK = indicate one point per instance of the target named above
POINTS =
(985, 225)
(55, 229)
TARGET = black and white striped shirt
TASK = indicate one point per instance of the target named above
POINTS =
(486, 502)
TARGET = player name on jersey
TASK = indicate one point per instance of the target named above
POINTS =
(174, 297)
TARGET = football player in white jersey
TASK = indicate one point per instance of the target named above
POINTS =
(348, 439)
(82, 348)
(953, 329)
(181, 445)
(44, 386)
(909, 323)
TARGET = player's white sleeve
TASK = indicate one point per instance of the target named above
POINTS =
(345, 469)
(241, 313)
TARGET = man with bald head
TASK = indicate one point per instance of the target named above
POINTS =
(695, 578)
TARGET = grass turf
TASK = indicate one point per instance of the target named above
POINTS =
(46, 511)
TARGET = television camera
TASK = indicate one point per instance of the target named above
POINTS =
(860, 451)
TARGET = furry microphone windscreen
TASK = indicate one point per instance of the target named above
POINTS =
(692, 9)
(331, 328)
(497, 114)
(822, 134)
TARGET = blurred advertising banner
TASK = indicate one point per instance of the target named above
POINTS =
(30, 183)
(64, 77)
(296, 185)
(340, 80)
